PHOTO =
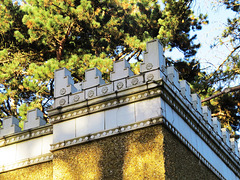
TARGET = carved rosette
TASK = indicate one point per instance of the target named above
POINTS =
(119, 85)
(76, 98)
(134, 81)
(62, 91)
(149, 66)
(150, 77)
(104, 90)
(90, 93)
(62, 102)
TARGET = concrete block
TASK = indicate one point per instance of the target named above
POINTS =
(34, 119)
(226, 136)
(89, 124)
(105, 89)
(173, 76)
(46, 141)
(76, 97)
(63, 83)
(207, 115)
(93, 77)
(8, 154)
(134, 80)
(10, 126)
(29, 149)
(154, 75)
(125, 115)
(121, 69)
(217, 126)
(153, 58)
(64, 131)
(185, 90)
(82, 126)
(96, 122)
(148, 109)
(91, 93)
(119, 85)
(111, 118)
(61, 101)
(196, 101)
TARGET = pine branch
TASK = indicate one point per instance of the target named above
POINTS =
(225, 91)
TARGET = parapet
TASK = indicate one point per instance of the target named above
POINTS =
(94, 109)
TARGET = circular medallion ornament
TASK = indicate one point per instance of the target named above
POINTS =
(104, 90)
(150, 77)
(62, 102)
(62, 91)
(149, 66)
(134, 81)
(76, 98)
(90, 93)
(119, 85)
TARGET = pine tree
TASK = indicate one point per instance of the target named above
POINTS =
(39, 36)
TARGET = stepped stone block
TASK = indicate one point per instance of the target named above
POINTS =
(234, 146)
(93, 77)
(226, 136)
(121, 69)
(185, 90)
(78, 86)
(173, 76)
(63, 83)
(34, 119)
(207, 114)
(153, 57)
(10, 125)
(196, 101)
(217, 126)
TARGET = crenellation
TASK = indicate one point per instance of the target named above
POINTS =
(93, 109)
(207, 115)
(196, 101)
(173, 76)
(185, 90)
(10, 126)
(121, 69)
(93, 78)
(234, 146)
(226, 136)
(63, 83)
(153, 57)
(217, 126)
(34, 119)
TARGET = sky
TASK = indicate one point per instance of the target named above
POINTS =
(209, 58)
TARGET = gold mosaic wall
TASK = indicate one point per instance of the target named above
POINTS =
(41, 171)
(181, 163)
(133, 155)
(152, 153)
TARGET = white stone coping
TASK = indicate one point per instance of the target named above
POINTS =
(131, 127)
(27, 162)
(26, 135)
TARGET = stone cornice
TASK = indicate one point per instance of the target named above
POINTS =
(27, 162)
(26, 135)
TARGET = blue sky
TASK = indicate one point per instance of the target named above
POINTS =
(217, 16)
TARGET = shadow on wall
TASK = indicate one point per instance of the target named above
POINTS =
(132, 155)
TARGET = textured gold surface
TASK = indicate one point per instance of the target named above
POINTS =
(41, 171)
(133, 155)
(181, 163)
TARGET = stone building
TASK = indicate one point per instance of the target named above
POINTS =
(146, 126)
